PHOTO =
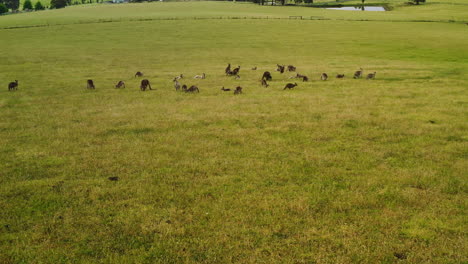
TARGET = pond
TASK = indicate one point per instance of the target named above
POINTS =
(359, 8)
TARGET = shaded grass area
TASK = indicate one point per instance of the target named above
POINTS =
(342, 171)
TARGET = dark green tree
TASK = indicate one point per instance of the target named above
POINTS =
(38, 6)
(27, 5)
(3, 8)
(58, 3)
(12, 4)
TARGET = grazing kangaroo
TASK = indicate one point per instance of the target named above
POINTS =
(238, 90)
(145, 84)
(371, 75)
(340, 76)
(358, 74)
(139, 74)
(13, 86)
(254, 68)
(120, 84)
(184, 88)
(90, 84)
(291, 68)
(264, 83)
(228, 69)
(203, 76)
(235, 71)
(280, 68)
(224, 89)
(192, 89)
(290, 86)
(266, 76)
(176, 84)
(324, 77)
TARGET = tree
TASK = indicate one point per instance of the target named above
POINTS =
(58, 3)
(12, 4)
(27, 5)
(38, 6)
(3, 8)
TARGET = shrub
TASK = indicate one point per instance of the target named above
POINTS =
(3, 8)
(27, 5)
(38, 6)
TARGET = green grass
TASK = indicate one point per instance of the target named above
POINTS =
(342, 171)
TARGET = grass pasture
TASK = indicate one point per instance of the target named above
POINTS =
(342, 171)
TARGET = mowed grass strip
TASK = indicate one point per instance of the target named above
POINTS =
(342, 171)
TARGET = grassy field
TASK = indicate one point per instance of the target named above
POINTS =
(342, 171)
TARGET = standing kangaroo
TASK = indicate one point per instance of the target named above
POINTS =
(13, 86)
(90, 84)
(176, 84)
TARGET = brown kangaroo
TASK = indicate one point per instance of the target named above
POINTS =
(280, 68)
(266, 76)
(225, 90)
(13, 86)
(90, 84)
(324, 77)
(238, 90)
(192, 89)
(371, 76)
(228, 69)
(291, 68)
(358, 74)
(290, 86)
(340, 76)
(120, 84)
(139, 74)
(145, 84)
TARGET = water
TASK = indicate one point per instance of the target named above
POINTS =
(359, 8)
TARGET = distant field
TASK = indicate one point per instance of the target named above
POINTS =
(337, 171)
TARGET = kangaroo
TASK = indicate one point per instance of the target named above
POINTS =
(371, 76)
(340, 76)
(280, 68)
(203, 76)
(266, 76)
(235, 71)
(264, 83)
(145, 84)
(184, 88)
(324, 77)
(358, 74)
(290, 86)
(225, 90)
(90, 84)
(139, 74)
(176, 84)
(192, 89)
(13, 86)
(291, 68)
(305, 79)
(238, 90)
(228, 69)
(120, 84)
